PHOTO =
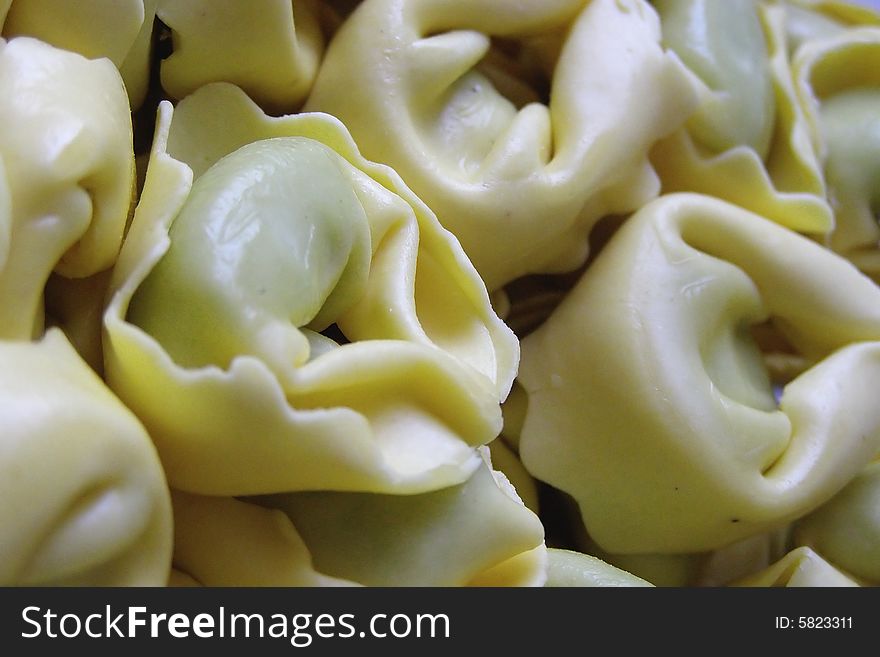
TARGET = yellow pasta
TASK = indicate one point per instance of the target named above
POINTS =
(750, 142)
(564, 293)
(574, 569)
(800, 567)
(648, 399)
(120, 30)
(274, 60)
(93, 507)
(401, 75)
(66, 174)
(846, 529)
(277, 406)
(476, 533)
(838, 77)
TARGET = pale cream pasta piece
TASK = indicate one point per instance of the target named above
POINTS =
(66, 174)
(750, 142)
(521, 187)
(213, 333)
(505, 460)
(269, 48)
(802, 567)
(567, 568)
(223, 541)
(477, 533)
(846, 529)
(84, 498)
(714, 568)
(839, 79)
(743, 558)
(806, 20)
(648, 400)
(810, 19)
(514, 412)
(661, 570)
(120, 30)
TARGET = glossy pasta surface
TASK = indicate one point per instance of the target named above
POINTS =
(565, 293)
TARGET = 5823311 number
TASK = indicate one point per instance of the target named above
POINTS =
(824, 622)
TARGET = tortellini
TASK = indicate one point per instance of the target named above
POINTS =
(750, 142)
(846, 529)
(213, 331)
(120, 30)
(724, 44)
(505, 460)
(265, 267)
(521, 187)
(800, 567)
(811, 19)
(648, 400)
(66, 174)
(569, 569)
(84, 498)
(211, 534)
(477, 533)
(274, 60)
(840, 78)
(715, 568)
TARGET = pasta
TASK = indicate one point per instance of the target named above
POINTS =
(302, 412)
(712, 568)
(400, 74)
(750, 142)
(846, 529)
(477, 533)
(120, 30)
(275, 60)
(93, 508)
(65, 191)
(662, 395)
(800, 567)
(346, 293)
(573, 569)
(844, 106)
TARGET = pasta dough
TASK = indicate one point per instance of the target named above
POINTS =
(838, 76)
(476, 533)
(274, 60)
(573, 569)
(800, 567)
(751, 141)
(279, 407)
(520, 187)
(120, 30)
(846, 529)
(85, 499)
(648, 399)
(66, 174)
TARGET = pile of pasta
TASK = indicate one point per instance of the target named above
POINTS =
(439, 293)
